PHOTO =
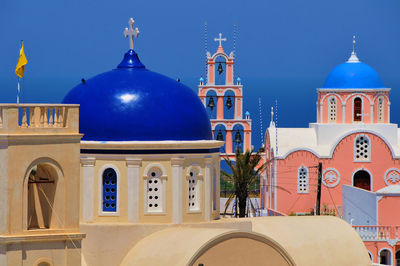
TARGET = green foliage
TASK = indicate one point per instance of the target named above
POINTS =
(246, 170)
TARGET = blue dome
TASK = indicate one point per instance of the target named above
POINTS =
(353, 75)
(131, 103)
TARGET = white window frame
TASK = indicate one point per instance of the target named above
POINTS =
(163, 179)
(381, 109)
(198, 189)
(362, 108)
(355, 149)
(100, 207)
(330, 109)
(307, 182)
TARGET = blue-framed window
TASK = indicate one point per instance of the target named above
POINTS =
(109, 190)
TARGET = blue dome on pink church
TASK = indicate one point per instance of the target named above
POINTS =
(132, 103)
(353, 74)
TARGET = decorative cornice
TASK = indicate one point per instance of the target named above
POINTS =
(88, 161)
(177, 161)
(131, 162)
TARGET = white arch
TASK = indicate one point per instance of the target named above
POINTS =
(148, 168)
(222, 124)
(214, 56)
(371, 179)
(339, 139)
(238, 123)
(300, 149)
(100, 190)
(390, 252)
(211, 89)
(331, 94)
(355, 94)
(381, 94)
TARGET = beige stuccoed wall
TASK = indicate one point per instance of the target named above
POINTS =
(56, 143)
(22, 155)
(119, 163)
(241, 251)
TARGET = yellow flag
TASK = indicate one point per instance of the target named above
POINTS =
(20, 69)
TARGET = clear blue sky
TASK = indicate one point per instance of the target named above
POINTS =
(281, 45)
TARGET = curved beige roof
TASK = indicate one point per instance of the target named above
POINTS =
(315, 240)
(273, 241)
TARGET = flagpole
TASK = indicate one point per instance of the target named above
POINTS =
(19, 89)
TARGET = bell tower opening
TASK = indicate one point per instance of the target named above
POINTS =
(42, 186)
(357, 109)
(362, 179)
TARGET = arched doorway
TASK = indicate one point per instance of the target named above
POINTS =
(362, 179)
(398, 258)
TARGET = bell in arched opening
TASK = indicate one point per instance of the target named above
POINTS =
(211, 103)
(220, 68)
(220, 136)
(228, 103)
(238, 138)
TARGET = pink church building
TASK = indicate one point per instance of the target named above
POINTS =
(359, 150)
(223, 99)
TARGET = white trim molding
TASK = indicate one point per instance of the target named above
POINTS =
(333, 179)
(163, 179)
(395, 179)
(133, 165)
(100, 190)
(88, 187)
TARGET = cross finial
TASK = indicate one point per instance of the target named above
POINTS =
(131, 32)
(220, 39)
(353, 57)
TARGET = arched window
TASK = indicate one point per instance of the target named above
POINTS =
(357, 107)
(381, 111)
(362, 148)
(154, 190)
(42, 188)
(302, 180)
(194, 191)
(332, 110)
(109, 198)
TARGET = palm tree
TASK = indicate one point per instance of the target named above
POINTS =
(246, 171)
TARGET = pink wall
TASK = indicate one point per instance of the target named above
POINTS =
(342, 161)
(347, 97)
(386, 211)
(374, 247)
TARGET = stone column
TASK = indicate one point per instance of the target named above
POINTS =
(177, 180)
(88, 188)
(133, 165)
(207, 189)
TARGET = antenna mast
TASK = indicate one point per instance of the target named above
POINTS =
(261, 124)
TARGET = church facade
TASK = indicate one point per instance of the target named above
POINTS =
(358, 148)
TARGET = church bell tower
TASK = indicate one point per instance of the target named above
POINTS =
(223, 99)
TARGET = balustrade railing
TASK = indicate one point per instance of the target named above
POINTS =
(378, 233)
(25, 118)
